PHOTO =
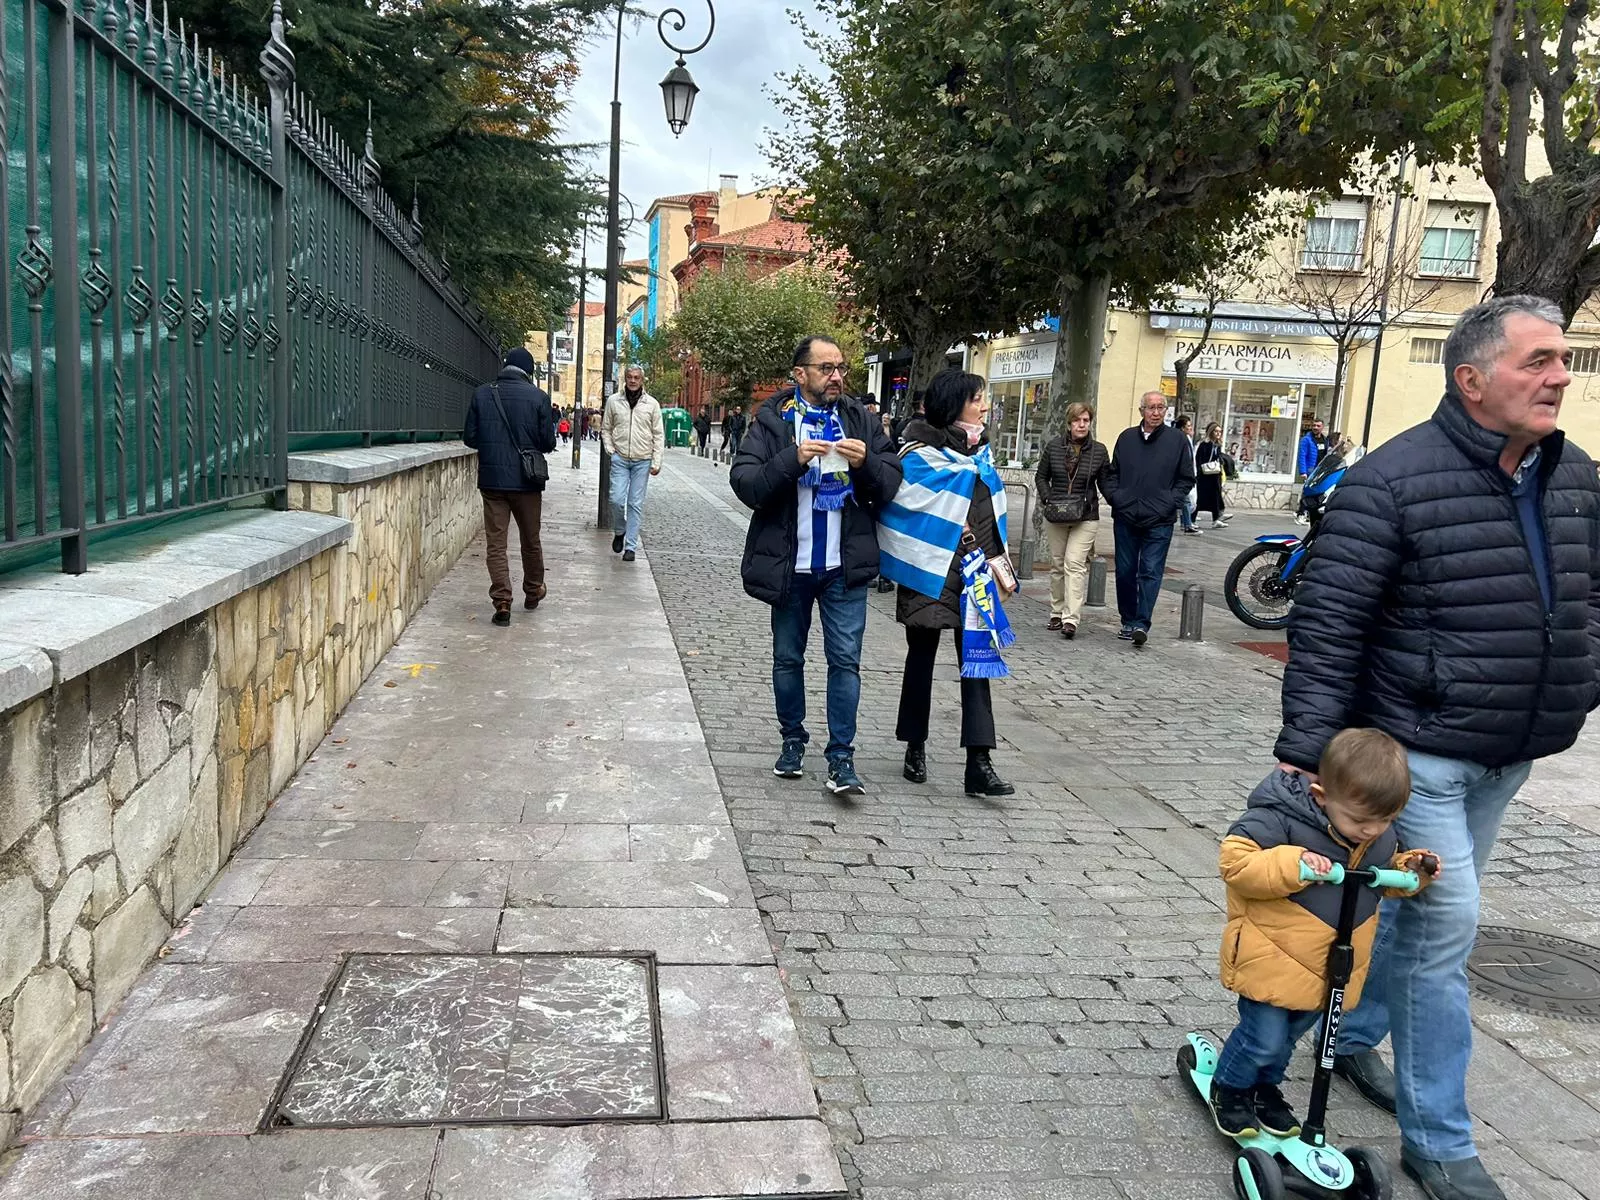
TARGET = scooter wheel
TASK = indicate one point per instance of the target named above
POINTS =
(1257, 1176)
(1186, 1059)
(1373, 1181)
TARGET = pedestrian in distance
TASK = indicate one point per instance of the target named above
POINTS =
(634, 435)
(897, 427)
(1185, 426)
(1453, 602)
(1314, 443)
(1212, 465)
(564, 429)
(1280, 928)
(733, 427)
(1072, 470)
(702, 429)
(1151, 473)
(943, 541)
(815, 469)
(506, 418)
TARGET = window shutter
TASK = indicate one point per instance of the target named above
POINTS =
(1449, 214)
(1348, 209)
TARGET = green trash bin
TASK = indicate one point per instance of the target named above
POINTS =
(679, 424)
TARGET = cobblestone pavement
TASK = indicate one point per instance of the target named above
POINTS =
(991, 993)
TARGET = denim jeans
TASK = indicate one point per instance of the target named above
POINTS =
(1416, 988)
(1188, 513)
(1141, 559)
(844, 623)
(629, 479)
(1261, 1044)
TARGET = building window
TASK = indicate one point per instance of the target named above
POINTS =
(1451, 241)
(1335, 237)
(1427, 350)
(1585, 360)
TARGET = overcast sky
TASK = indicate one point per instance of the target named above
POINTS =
(753, 40)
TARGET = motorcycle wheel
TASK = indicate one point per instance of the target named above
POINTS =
(1254, 587)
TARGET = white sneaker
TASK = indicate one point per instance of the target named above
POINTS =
(1301, 519)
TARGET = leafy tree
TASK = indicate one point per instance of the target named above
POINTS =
(464, 96)
(1112, 146)
(661, 356)
(744, 329)
(1541, 81)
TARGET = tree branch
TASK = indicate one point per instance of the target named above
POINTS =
(1492, 127)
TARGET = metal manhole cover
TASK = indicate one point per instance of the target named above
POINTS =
(1544, 975)
(443, 1039)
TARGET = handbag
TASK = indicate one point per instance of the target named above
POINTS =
(1213, 467)
(1071, 508)
(535, 468)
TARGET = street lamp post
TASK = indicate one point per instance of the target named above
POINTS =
(678, 91)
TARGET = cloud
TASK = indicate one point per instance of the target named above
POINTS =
(753, 41)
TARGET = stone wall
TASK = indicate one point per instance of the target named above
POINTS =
(125, 789)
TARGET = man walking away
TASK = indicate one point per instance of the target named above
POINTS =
(816, 469)
(1313, 445)
(1152, 470)
(702, 429)
(634, 435)
(505, 418)
(733, 427)
(1454, 603)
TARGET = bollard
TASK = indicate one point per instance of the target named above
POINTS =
(1193, 617)
(1097, 583)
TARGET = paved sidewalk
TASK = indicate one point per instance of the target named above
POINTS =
(539, 790)
(991, 994)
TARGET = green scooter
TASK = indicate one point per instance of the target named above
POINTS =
(1317, 1169)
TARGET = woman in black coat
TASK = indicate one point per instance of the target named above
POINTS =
(955, 408)
(1211, 465)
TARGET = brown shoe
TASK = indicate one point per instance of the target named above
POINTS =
(532, 602)
(1068, 630)
(502, 615)
(1055, 625)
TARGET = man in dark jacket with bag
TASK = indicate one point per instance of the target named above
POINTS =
(816, 467)
(507, 419)
(1452, 601)
(1152, 472)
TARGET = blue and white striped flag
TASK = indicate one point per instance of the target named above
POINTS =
(920, 529)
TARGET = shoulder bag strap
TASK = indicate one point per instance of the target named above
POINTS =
(494, 390)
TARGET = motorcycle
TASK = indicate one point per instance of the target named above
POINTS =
(1261, 581)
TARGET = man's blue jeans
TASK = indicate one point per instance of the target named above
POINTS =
(1141, 560)
(844, 623)
(1261, 1044)
(629, 479)
(1416, 989)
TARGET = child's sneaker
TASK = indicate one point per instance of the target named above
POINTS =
(1233, 1111)
(1273, 1111)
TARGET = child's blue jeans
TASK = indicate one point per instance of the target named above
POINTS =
(1261, 1044)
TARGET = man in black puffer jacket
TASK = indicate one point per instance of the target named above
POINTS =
(1452, 601)
(814, 541)
(507, 494)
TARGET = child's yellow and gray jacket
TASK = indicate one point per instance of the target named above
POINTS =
(1275, 948)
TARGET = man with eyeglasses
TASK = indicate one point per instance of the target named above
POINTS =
(816, 468)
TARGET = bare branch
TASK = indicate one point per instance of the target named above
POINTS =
(1493, 124)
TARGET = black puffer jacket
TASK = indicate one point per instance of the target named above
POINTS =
(533, 427)
(1149, 476)
(911, 608)
(766, 474)
(1067, 470)
(1420, 612)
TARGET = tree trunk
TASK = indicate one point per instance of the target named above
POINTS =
(1341, 355)
(927, 359)
(1546, 231)
(1080, 345)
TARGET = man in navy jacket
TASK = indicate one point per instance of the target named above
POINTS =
(507, 493)
(1452, 601)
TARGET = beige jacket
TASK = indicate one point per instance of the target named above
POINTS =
(634, 431)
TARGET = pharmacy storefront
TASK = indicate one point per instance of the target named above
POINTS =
(1264, 391)
(1018, 374)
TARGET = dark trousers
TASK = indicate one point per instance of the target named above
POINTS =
(499, 509)
(1141, 560)
(916, 694)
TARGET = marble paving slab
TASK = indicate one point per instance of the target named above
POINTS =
(676, 935)
(437, 1039)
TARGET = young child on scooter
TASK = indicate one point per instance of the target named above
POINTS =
(1275, 948)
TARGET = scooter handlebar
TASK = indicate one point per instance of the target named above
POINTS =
(1377, 877)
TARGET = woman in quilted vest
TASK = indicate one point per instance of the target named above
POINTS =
(1071, 468)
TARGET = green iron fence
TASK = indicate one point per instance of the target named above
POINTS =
(192, 281)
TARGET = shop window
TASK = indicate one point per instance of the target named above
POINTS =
(1336, 237)
(1263, 428)
(1451, 241)
(1585, 360)
(1016, 420)
(1427, 350)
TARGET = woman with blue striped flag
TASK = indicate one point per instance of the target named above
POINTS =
(943, 540)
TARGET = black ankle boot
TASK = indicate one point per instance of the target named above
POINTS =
(981, 777)
(916, 762)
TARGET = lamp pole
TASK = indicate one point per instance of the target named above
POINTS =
(678, 91)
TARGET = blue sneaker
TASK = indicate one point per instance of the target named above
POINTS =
(1125, 633)
(791, 763)
(842, 777)
(1139, 636)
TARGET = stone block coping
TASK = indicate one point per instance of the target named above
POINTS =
(364, 464)
(55, 627)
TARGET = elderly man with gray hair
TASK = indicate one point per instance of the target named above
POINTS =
(1452, 601)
